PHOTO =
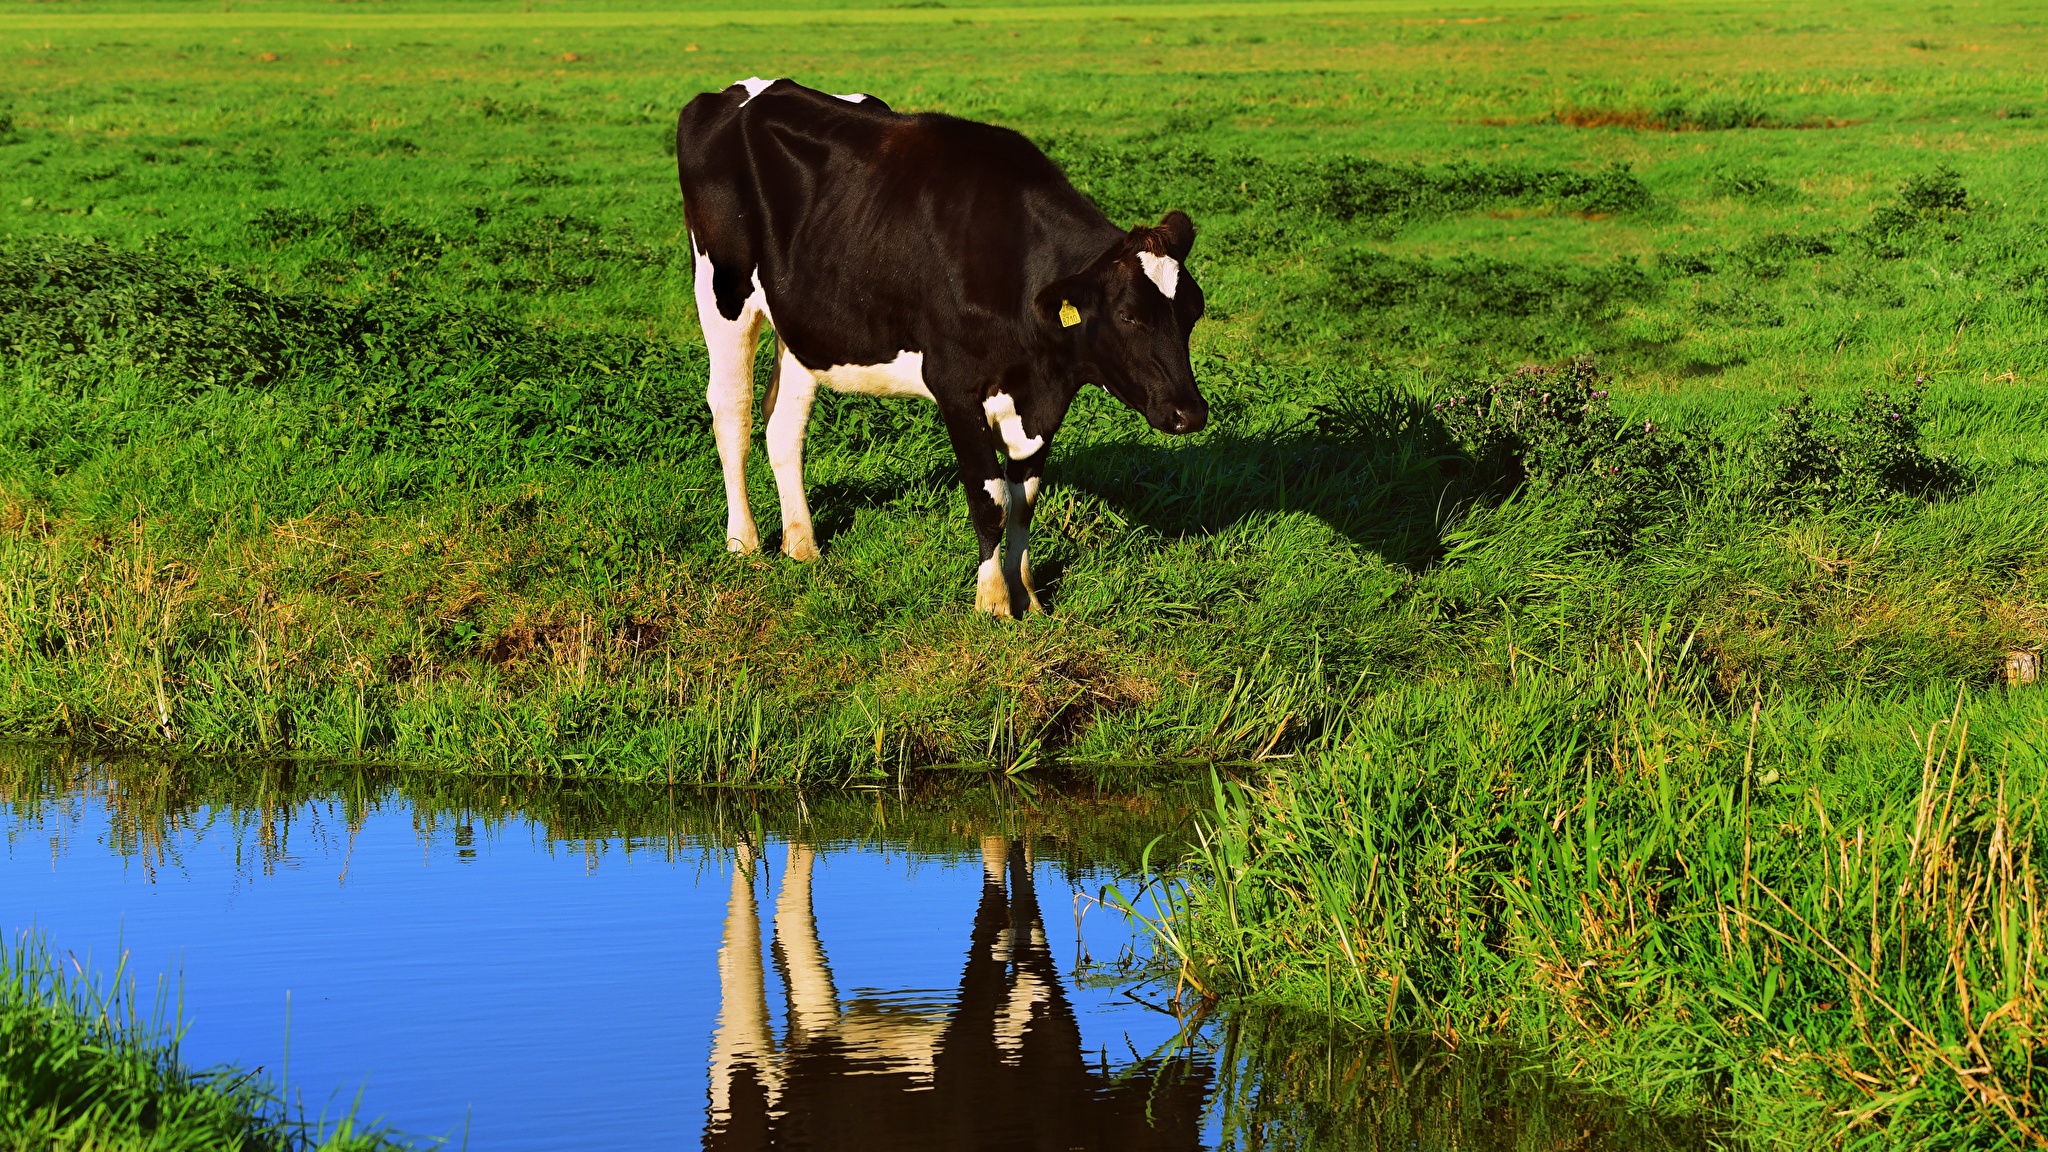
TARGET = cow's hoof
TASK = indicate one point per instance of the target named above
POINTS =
(743, 547)
(992, 592)
(799, 545)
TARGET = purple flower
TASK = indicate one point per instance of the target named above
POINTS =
(1919, 379)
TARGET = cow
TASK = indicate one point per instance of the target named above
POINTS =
(920, 255)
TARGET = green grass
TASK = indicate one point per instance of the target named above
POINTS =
(1815, 914)
(354, 395)
(353, 406)
(86, 1065)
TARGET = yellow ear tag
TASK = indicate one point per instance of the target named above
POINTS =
(1069, 315)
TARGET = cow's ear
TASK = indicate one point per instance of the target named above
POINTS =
(1066, 303)
(1176, 234)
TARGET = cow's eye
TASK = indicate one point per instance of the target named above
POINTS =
(1126, 316)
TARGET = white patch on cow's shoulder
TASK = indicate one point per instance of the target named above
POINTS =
(1162, 270)
(850, 97)
(1002, 416)
(753, 85)
(903, 376)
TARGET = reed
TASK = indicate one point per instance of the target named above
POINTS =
(1817, 916)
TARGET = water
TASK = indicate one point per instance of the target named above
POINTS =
(525, 966)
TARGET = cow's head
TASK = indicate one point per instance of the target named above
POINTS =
(1127, 318)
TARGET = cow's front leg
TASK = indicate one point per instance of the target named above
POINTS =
(988, 497)
(789, 416)
(1021, 492)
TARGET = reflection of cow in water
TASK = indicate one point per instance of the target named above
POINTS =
(1002, 1067)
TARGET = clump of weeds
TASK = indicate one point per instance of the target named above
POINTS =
(1872, 452)
(1929, 205)
(1555, 429)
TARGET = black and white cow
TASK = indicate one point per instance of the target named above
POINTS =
(929, 256)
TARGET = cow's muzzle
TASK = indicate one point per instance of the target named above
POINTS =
(1179, 419)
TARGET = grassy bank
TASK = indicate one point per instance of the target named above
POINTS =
(1816, 914)
(353, 401)
(86, 1065)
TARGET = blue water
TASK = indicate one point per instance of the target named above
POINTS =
(507, 990)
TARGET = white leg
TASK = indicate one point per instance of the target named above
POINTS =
(813, 1002)
(991, 591)
(743, 1040)
(1017, 541)
(991, 581)
(995, 858)
(795, 388)
(730, 347)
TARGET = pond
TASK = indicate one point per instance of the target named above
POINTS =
(534, 965)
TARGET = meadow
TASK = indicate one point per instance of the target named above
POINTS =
(1624, 486)
(354, 394)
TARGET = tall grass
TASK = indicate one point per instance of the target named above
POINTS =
(89, 1064)
(1816, 914)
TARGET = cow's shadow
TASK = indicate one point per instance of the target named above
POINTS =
(1383, 473)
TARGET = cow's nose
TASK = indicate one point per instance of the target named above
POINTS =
(1186, 420)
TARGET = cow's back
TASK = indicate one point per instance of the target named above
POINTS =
(863, 224)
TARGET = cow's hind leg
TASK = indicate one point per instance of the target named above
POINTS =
(789, 416)
(729, 344)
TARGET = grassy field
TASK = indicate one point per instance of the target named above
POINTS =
(354, 397)
(1627, 450)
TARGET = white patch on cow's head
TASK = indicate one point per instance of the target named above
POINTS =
(1002, 416)
(753, 85)
(1161, 270)
(850, 97)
